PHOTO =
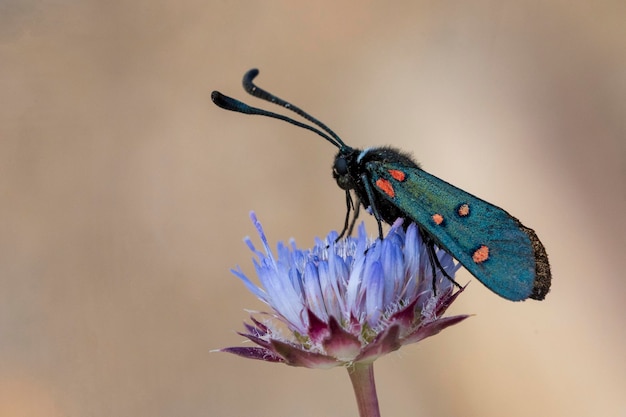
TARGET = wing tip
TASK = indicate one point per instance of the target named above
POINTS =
(543, 276)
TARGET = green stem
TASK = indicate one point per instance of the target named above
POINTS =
(362, 377)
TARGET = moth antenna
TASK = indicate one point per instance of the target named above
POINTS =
(258, 92)
(229, 103)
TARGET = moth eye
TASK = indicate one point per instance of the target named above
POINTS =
(340, 167)
(341, 174)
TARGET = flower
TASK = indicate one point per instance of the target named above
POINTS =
(348, 301)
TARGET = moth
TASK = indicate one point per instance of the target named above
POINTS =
(495, 247)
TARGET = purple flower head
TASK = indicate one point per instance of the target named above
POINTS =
(348, 301)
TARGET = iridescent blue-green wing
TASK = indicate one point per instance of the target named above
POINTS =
(490, 243)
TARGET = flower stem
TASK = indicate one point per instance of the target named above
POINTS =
(362, 377)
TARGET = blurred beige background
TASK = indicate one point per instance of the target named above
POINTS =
(124, 196)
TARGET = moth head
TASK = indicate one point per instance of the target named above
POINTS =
(341, 172)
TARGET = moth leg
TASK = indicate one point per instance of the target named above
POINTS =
(370, 197)
(346, 227)
(357, 210)
(434, 261)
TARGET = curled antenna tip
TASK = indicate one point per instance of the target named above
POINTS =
(229, 103)
(248, 77)
(251, 74)
(217, 98)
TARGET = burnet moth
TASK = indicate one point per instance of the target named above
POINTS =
(506, 256)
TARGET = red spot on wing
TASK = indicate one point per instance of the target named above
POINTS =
(481, 254)
(437, 218)
(386, 187)
(463, 210)
(397, 174)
